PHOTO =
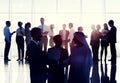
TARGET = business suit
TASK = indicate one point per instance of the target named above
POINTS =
(37, 62)
(112, 40)
(56, 56)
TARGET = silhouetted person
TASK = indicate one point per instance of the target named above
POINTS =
(64, 34)
(104, 41)
(95, 42)
(112, 40)
(95, 74)
(27, 37)
(51, 35)
(8, 36)
(20, 41)
(45, 30)
(36, 58)
(56, 57)
(80, 60)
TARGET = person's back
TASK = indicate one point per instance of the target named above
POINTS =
(56, 56)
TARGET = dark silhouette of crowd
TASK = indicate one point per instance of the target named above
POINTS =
(52, 64)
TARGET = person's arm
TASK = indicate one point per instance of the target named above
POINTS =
(13, 32)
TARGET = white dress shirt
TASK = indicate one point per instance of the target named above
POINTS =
(45, 29)
(7, 34)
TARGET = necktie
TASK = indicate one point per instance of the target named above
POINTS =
(42, 29)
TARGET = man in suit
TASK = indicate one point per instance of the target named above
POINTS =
(36, 58)
(112, 40)
(64, 34)
(56, 56)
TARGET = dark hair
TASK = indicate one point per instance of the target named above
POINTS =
(20, 23)
(8, 23)
(58, 40)
(27, 24)
(35, 30)
(42, 18)
(111, 22)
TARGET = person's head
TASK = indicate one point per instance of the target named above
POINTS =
(8, 23)
(28, 25)
(20, 24)
(105, 26)
(52, 26)
(111, 23)
(42, 20)
(80, 29)
(36, 33)
(98, 27)
(57, 40)
(93, 27)
(64, 26)
(70, 25)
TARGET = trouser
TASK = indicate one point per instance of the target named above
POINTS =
(20, 46)
(95, 50)
(44, 42)
(6, 50)
(113, 51)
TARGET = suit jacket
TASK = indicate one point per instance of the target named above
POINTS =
(112, 35)
(37, 58)
(61, 33)
(56, 56)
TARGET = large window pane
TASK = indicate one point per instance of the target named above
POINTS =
(4, 6)
(93, 5)
(44, 5)
(69, 6)
(21, 6)
(113, 6)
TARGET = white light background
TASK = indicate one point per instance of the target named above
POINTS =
(79, 12)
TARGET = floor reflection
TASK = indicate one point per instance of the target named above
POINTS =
(18, 72)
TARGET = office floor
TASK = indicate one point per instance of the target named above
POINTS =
(18, 72)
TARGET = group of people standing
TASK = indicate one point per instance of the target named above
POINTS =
(20, 33)
(104, 38)
(53, 63)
